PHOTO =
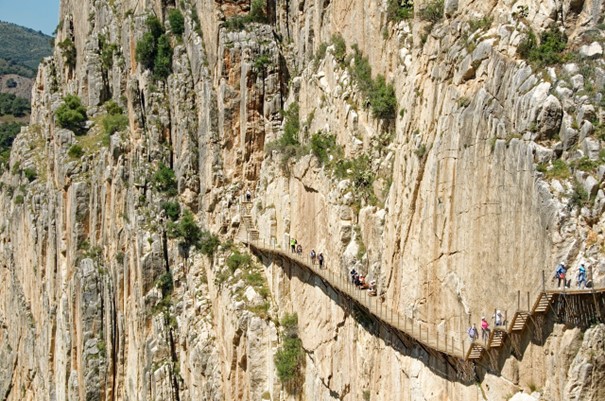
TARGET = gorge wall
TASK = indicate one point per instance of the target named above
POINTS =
(487, 172)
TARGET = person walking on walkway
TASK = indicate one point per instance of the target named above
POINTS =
(320, 258)
(560, 275)
(499, 318)
(582, 276)
(299, 249)
(248, 195)
(484, 329)
(313, 256)
(472, 332)
(292, 245)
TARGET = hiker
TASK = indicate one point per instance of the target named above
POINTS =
(353, 273)
(499, 318)
(362, 283)
(560, 274)
(320, 258)
(313, 255)
(484, 329)
(292, 245)
(248, 195)
(582, 276)
(372, 289)
(472, 332)
(299, 249)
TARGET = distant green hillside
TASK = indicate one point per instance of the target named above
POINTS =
(21, 49)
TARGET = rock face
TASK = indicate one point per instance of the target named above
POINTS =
(457, 181)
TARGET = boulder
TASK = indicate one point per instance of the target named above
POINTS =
(549, 118)
(593, 50)
(450, 7)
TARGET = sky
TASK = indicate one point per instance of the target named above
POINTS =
(39, 15)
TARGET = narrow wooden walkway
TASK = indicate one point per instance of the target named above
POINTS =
(461, 347)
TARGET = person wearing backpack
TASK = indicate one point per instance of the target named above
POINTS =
(320, 258)
(560, 275)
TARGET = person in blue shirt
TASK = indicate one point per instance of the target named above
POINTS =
(582, 276)
(560, 274)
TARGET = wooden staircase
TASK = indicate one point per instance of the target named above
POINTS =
(543, 302)
(252, 233)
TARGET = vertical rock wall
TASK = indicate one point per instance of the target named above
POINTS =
(100, 301)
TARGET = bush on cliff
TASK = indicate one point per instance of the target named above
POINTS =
(72, 114)
(289, 358)
(153, 50)
(177, 22)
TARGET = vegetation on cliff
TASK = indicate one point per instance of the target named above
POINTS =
(153, 50)
(71, 114)
(289, 358)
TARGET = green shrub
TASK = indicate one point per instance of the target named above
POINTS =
(256, 14)
(172, 210)
(75, 151)
(398, 10)
(380, 95)
(71, 114)
(68, 48)
(383, 100)
(257, 11)
(187, 230)
(145, 50)
(550, 50)
(323, 146)
(154, 26)
(559, 170)
(153, 50)
(106, 52)
(30, 174)
(164, 180)
(585, 164)
(113, 123)
(579, 196)
(165, 283)
(362, 71)
(177, 22)
(19, 199)
(432, 11)
(482, 23)
(291, 125)
(113, 108)
(261, 62)
(238, 260)
(321, 53)
(289, 358)
(162, 66)
(340, 47)
(208, 244)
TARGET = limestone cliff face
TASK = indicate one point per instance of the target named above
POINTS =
(488, 172)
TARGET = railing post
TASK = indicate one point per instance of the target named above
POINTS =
(518, 299)
(543, 281)
(528, 301)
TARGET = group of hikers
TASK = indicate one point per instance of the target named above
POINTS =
(359, 280)
(295, 247)
(485, 330)
(561, 277)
